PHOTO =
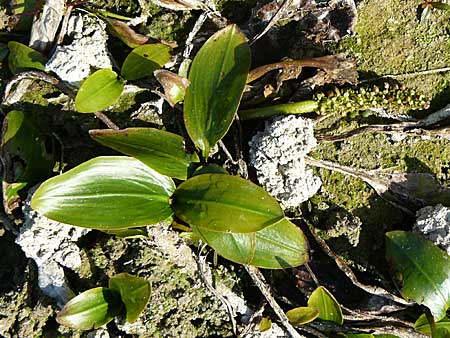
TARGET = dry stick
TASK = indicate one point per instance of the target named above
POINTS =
(408, 128)
(374, 290)
(260, 282)
(273, 20)
(360, 315)
(189, 41)
(408, 75)
(105, 119)
(201, 262)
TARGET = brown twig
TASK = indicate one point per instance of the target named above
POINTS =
(105, 119)
(260, 282)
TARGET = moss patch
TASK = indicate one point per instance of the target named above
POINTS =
(396, 43)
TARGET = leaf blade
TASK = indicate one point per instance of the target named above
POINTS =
(106, 193)
(219, 202)
(160, 150)
(99, 91)
(90, 309)
(287, 248)
(144, 60)
(213, 96)
(134, 292)
(328, 307)
(408, 255)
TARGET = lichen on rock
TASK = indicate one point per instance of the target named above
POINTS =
(72, 63)
(434, 223)
(278, 154)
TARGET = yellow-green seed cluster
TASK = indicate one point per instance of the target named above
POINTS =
(351, 101)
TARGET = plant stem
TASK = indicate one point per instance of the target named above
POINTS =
(301, 107)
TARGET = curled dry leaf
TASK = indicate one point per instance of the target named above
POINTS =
(174, 85)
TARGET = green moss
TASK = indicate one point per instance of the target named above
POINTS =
(168, 25)
(396, 43)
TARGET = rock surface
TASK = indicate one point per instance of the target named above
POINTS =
(72, 63)
(434, 223)
(52, 246)
(278, 154)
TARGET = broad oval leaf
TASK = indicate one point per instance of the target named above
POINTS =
(134, 291)
(144, 60)
(91, 309)
(160, 150)
(220, 202)
(302, 315)
(423, 326)
(210, 169)
(22, 57)
(106, 193)
(421, 270)
(282, 245)
(99, 91)
(328, 307)
(218, 75)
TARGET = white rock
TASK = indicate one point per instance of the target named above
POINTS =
(73, 63)
(99, 333)
(278, 156)
(434, 224)
(52, 245)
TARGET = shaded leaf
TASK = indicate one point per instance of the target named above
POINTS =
(218, 75)
(90, 309)
(174, 85)
(409, 256)
(26, 159)
(210, 169)
(22, 57)
(128, 233)
(99, 91)
(220, 202)
(144, 60)
(160, 150)
(302, 315)
(134, 291)
(421, 325)
(282, 245)
(106, 193)
(328, 307)
(440, 5)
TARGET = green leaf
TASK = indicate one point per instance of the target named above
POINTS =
(265, 324)
(210, 169)
(27, 161)
(91, 309)
(99, 91)
(134, 291)
(144, 60)
(160, 150)
(301, 107)
(357, 335)
(441, 333)
(22, 57)
(106, 193)
(282, 245)
(329, 309)
(302, 315)
(421, 271)
(225, 203)
(422, 326)
(129, 233)
(440, 5)
(218, 75)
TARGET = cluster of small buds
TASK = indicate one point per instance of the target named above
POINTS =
(352, 101)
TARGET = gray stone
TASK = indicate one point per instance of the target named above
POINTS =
(278, 154)
(73, 63)
(52, 246)
(434, 223)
